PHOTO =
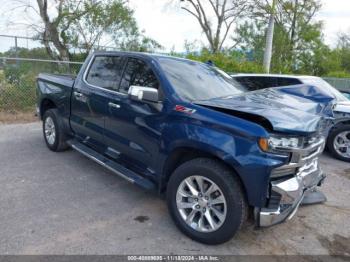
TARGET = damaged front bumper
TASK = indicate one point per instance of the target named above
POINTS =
(289, 185)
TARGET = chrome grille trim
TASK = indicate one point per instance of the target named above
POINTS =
(291, 182)
(301, 156)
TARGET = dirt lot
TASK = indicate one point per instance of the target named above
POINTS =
(17, 117)
(63, 203)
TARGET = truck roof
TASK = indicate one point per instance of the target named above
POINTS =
(140, 54)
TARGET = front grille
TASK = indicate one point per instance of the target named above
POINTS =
(312, 140)
(301, 161)
(311, 151)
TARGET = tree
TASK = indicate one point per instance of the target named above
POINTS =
(343, 49)
(224, 13)
(297, 36)
(111, 20)
(94, 22)
(297, 19)
(51, 30)
(84, 24)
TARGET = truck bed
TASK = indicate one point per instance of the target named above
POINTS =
(57, 89)
(64, 80)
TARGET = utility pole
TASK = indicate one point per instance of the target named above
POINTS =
(269, 39)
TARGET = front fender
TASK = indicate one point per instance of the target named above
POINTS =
(242, 154)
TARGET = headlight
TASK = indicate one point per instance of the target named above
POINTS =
(276, 143)
(283, 142)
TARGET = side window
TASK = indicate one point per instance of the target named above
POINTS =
(248, 83)
(266, 82)
(106, 72)
(138, 73)
(283, 81)
(253, 83)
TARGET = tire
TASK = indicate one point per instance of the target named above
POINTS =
(52, 122)
(335, 137)
(229, 188)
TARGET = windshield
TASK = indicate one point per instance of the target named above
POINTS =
(319, 82)
(197, 81)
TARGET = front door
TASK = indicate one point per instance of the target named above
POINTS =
(132, 128)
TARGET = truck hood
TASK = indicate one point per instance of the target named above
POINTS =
(287, 109)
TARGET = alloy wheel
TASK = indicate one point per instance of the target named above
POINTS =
(201, 204)
(50, 131)
(341, 144)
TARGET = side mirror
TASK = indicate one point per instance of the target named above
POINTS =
(142, 93)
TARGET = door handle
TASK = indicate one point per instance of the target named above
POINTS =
(110, 104)
(78, 95)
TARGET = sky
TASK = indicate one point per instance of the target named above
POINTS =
(171, 26)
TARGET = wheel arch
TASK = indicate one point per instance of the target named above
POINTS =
(183, 154)
(45, 105)
(341, 123)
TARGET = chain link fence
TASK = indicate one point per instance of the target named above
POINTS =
(342, 84)
(21, 60)
(18, 81)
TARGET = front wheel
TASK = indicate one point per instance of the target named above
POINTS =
(339, 142)
(206, 201)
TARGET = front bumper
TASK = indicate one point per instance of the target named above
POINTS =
(286, 194)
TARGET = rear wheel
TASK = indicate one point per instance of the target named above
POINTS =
(206, 201)
(339, 142)
(53, 131)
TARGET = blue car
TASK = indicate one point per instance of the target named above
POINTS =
(187, 131)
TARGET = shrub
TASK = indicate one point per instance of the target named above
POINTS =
(339, 74)
(229, 62)
(17, 90)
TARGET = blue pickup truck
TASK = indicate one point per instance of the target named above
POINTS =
(185, 130)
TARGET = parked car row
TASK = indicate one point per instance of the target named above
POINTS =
(338, 141)
(185, 129)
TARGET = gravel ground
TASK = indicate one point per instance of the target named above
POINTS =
(63, 203)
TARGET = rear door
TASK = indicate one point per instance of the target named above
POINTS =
(91, 96)
(132, 127)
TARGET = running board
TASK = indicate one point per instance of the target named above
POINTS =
(111, 165)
